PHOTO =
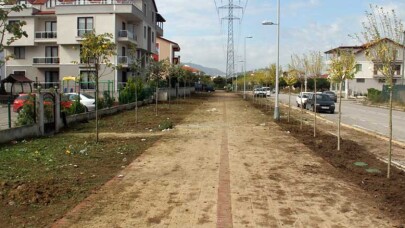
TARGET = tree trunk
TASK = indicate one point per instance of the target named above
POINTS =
(96, 102)
(390, 126)
(170, 87)
(156, 98)
(314, 107)
(184, 89)
(289, 102)
(136, 104)
(302, 111)
(340, 114)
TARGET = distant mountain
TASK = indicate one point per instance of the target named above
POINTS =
(206, 70)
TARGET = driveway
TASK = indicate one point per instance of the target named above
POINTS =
(222, 167)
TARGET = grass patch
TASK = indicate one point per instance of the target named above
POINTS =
(41, 179)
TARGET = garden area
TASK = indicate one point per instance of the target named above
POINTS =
(43, 178)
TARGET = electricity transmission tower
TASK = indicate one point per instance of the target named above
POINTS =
(230, 56)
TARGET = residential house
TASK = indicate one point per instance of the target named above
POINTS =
(55, 30)
(368, 74)
(167, 50)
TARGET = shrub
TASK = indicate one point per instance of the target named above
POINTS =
(108, 99)
(27, 114)
(374, 95)
(165, 124)
(76, 108)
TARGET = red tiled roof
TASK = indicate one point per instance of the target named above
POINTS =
(38, 2)
(188, 68)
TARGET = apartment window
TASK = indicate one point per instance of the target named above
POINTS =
(84, 25)
(144, 32)
(51, 54)
(51, 79)
(360, 80)
(13, 22)
(20, 2)
(144, 9)
(87, 79)
(359, 67)
(153, 37)
(377, 68)
(381, 80)
(153, 17)
(19, 52)
(397, 70)
(50, 3)
(19, 72)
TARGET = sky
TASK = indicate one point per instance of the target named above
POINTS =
(305, 26)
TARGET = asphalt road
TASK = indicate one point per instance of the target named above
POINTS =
(369, 118)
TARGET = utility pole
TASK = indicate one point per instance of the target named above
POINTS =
(230, 55)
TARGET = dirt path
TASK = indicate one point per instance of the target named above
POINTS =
(226, 166)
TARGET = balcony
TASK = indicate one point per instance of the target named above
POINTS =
(125, 61)
(45, 36)
(46, 62)
(127, 36)
(176, 60)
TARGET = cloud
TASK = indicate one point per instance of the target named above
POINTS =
(307, 25)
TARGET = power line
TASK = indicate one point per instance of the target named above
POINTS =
(230, 60)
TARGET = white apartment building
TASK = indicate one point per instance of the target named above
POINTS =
(55, 28)
(368, 75)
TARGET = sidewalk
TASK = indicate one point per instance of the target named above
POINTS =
(226, 166)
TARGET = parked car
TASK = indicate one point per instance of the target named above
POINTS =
(302, 98)
(24, 98)
(331, 94)
(19, 102)
(267, 91)
(88, 101)
(323, 103)
(262, 92)
(258, 92)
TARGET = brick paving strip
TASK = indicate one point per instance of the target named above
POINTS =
(224, 207)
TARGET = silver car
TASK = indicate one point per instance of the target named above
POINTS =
(88, 101)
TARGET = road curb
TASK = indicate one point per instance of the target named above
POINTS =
(366, 131)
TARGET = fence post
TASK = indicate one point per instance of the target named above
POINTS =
(9, 111)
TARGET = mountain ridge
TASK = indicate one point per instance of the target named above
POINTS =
(206, 70)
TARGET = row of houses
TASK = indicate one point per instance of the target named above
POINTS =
(55, 30)
(368, 74)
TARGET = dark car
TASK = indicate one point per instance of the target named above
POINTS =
(323, 103)
(332, 95)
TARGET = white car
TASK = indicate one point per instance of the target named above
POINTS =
(88, 101)
(267, 91)
(302, 99)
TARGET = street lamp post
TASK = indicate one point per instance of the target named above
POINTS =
(244, 74)
(276, 108)
(403, 58)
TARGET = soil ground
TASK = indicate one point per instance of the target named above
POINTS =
(228, 165)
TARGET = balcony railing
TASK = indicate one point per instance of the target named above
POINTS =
(46, 60)
(125, 60)
(127, 34)
(92, 2)
(45, 35)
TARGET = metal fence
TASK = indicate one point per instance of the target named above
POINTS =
(7, 116)
(398, 93)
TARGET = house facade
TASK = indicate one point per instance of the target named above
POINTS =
(55, 30)
(368, 74)
(167, 49)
